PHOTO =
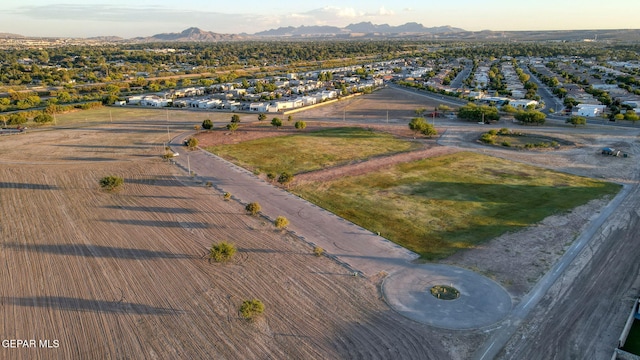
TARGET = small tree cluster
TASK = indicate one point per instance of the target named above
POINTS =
(221, 252)
(111, 183)
(250, 309)
(420, 125)
(276, 122)
(531, 117)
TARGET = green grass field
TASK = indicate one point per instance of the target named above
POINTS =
(438, 206)
(312, 150)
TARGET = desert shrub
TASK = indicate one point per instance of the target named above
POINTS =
(281, 222)
(227, 196)
(192, 143)
(487, 138)
(208, 184)
(492, 132)
(318, 251)
(251, 308)
(253, 208)
(235, 118)
(222, 252)
(285, 178)
(504, 131)
(506, 143)
(111, 182)
(232, 126)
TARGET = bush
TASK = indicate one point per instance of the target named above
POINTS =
(253, 208)
(285, 178)
(492, 132)
(281, 222)
(276, 122)
(318, 251)
(251, 308)
(227, 196)
(222, 252)
(192, 143)
(111, 182)
(506, 143)
(235, 118)
(487, 138)
(300, 125)
(271, 176)
(43, 118)
(207, 124)
(232, 126)
(504, 131)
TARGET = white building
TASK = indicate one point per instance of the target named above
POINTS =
(588, 110)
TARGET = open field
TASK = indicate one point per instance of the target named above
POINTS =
(438, 206)
(300, 152)
(121, 275)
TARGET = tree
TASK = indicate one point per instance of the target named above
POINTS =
(429, 130)
(221, 252)
(281, 222)
(235, 118)
(251, 308)
(262, 117)
(418, 124)
(253, 208)
(276, 122)
(16, 119)
(192, 143)
(530, 117)
(576, 120)
(232, 126)
(111, 182)
(43, 118)
(290, 117)
(300, 125)
(207, 124)
(474, 112)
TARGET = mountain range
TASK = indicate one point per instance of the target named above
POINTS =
(367, 30)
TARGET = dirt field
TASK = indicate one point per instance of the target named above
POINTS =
(122, 275)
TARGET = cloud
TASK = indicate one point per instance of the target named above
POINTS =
(138, 17)
(385, 12)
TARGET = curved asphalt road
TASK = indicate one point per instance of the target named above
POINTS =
(482, 301)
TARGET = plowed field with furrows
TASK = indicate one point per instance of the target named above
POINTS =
(124, 274)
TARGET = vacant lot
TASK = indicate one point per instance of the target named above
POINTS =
(440, 205)
(312, 150)
(122, 275)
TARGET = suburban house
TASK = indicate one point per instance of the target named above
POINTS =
(588, 110)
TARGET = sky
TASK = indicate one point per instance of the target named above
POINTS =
(132, 18)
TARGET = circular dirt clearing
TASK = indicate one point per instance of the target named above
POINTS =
(481, 302)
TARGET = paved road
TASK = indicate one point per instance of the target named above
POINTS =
(482, 301)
